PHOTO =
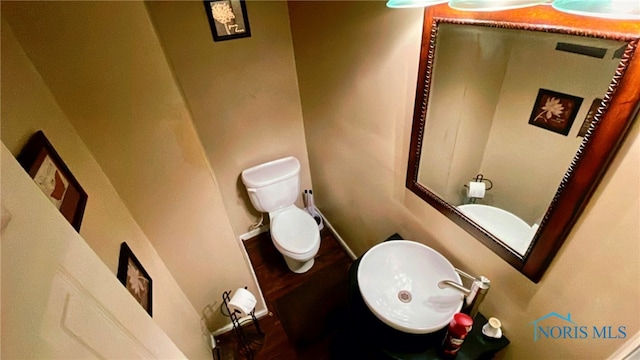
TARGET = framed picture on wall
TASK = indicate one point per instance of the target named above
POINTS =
(41, 161)
(227, 19)
(555, 111)
(134, 277)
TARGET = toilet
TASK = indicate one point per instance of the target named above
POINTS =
(273, 187)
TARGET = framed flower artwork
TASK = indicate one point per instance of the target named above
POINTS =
(135, 278)
(41, 161)
(555, 111)
(227, 19)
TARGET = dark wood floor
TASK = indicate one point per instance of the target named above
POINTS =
(305, 310)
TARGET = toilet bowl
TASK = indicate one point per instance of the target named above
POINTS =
(273, 187)
(295, 234)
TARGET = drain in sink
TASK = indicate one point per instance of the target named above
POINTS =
(404, 296)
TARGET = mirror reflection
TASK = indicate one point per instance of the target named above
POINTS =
(509, 107)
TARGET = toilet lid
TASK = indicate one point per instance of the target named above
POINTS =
(295, 230)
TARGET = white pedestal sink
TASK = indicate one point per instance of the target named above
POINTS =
(399, 280)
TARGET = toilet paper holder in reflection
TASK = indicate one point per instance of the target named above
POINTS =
(480, 178)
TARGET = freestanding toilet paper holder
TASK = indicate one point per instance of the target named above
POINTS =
(243, 345)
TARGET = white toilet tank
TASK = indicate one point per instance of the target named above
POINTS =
(273, 185)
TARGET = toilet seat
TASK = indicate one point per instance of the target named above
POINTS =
(294, 232)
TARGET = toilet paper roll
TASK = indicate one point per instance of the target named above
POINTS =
(242, 302)
(476, 189)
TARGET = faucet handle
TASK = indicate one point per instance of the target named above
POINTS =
(483, 282)
(464, 274)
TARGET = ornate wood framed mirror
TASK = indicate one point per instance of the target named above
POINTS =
(484, 79)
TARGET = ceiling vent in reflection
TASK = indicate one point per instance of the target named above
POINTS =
(618, 53)
(592, 51)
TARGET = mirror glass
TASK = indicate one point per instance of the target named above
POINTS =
(517, 115)
(510, 107)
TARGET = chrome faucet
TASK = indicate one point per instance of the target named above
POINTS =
(474, 295)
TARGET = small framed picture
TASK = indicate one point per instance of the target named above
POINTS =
(555, 111)
(134, 277)
(227, 19)
(46, 168)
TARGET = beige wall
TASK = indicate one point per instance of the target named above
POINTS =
(242, 94)
(59, 301)
(29, 105)
(452, 152)
(112, 83)
(357, 65)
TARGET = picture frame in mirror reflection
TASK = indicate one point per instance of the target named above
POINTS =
(591, 115)
(555, 111)
(227, 19)
(135, 278)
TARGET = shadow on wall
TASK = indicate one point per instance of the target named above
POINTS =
(212, 318)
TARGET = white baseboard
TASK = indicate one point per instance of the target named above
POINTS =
(253, 233)
(243, 320)
(264, 311)
(261, 308)
(264, 228)
(340, 240)
(630, 350)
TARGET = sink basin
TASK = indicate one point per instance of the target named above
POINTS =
(507, 227)
(399, 280)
